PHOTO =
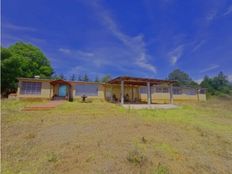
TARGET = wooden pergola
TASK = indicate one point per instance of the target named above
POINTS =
(125, 80)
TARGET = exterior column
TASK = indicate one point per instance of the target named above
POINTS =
(148, 93)
(111, 93)
(122, 92)
(197, 91)
(171, 94)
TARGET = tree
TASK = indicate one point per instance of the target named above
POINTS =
(86, 78)
(106, 78)
(96, 79)
(73, 77)
(218, 85)
(80, 78)
(61, 76)
(181, 78)
(22, 60)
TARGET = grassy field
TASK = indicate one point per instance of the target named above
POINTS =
(103, 138)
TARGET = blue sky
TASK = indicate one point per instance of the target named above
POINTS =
(144, 38)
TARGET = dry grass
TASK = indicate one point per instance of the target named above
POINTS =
(102, 138)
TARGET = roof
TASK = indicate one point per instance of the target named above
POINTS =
(60, 81)
(51, 80)
(139, 81)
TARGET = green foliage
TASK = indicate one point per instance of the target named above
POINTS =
(106, 78)
(182, 78)
(96, 79)
(22, 60)
(161, 169)
(61, 76)
(73, 77)
(86, 78)
(52, 157)
(218, 85)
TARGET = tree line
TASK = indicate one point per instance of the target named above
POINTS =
(218, 85)
(82, 77)
(26, 60)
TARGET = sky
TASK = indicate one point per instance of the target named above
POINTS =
(142, 38)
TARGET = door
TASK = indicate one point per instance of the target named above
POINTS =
(62, 90)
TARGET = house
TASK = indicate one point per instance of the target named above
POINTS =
(122, 89)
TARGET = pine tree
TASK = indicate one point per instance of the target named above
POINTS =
(86, 78)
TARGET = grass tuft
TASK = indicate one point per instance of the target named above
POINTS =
(161, 169)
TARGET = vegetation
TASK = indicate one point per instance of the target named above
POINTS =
(106, 78)
(22, 60)
(194, 138)
(182, 79)
(218, 85)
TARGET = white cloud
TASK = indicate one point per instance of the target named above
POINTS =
(76, 52)
(175, 54)
(10, 26)
(198, 45)
(228, 11)
(64, 50)
(134, 45)
(142, 62)
(209, 68)
(211, 15)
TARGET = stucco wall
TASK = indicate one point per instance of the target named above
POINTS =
(47, 91)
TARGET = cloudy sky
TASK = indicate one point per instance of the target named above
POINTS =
(144, 38)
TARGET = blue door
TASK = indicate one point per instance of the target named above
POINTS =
(62, 90)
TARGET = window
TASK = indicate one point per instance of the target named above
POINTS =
(87, 89)
(177, 91)
(143, 90)
(189, 91)
(33, 88)
(202, 91)
(159, 89)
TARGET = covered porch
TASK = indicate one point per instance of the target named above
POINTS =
(129, 89)
(61, 89)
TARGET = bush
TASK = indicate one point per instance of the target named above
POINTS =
(137, 157)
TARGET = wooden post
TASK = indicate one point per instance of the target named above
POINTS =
(148, 93)
(132, 94)
(122, 92)
(50, 92)
(198, 97)
(111, 93)
(171, 94)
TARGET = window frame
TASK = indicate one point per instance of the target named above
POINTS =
(30, 88)
(84, 90)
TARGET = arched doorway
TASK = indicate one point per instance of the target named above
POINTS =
(61, 90)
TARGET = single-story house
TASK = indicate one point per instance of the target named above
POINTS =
(122, 89)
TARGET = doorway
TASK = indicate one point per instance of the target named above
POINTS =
(62, 90)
